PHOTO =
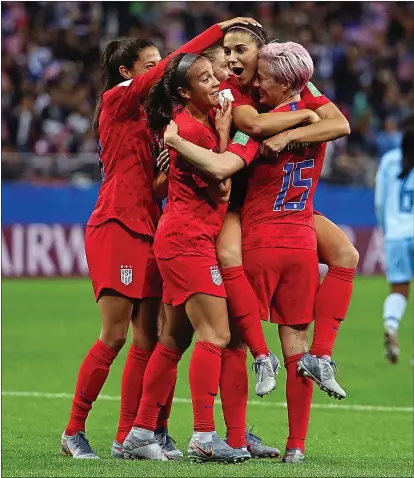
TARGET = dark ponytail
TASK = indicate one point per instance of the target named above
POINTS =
(164, 97)
(407, 148)
(124, 52)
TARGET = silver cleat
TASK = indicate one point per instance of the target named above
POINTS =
(117, 450)
(266, 369)
(77, 446)
(215, 450)
(257, 449)
(392, 351)
(136, 448)
(322, 372)
(168, 445)
(293, 455)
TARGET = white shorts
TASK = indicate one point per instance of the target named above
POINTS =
(399, 256)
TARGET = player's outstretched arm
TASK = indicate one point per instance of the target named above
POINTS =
(140, 86)
(247, 119)
(333, 125)
(219, 166)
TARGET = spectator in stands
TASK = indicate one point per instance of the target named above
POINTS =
(362, 53)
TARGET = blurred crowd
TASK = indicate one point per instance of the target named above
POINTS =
(363, 54)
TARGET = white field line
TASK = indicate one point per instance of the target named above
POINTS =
(254, 403)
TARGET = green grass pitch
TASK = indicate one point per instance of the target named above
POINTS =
(48, 326)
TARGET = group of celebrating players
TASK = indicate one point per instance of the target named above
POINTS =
(239, 136)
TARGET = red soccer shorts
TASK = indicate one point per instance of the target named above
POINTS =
(117, 259)
(188, 274)
(153, 282)
(285, 282)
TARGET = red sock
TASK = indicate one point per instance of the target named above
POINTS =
(159, 379)
(299, 399)
(243, 308)
(164, 415)
(204, 378)
(234, 388)
(91, 379)
(131, 390)
(331, 306)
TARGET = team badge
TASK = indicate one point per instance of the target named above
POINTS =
(126, 274)
(215, 275)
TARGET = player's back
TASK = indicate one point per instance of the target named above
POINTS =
(127, 168)
(278, 210)
(394, 197)
(191, 219)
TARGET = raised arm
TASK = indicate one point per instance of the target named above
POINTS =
(248, 120)
(219, 166)
(137, 90)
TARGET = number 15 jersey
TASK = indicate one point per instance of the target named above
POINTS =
(278, 209)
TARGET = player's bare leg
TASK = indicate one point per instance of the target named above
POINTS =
(116, 313)
(394, 308)
(175, 337)
(208, 315)
(294, 341)
(331, 305)
(242, 303)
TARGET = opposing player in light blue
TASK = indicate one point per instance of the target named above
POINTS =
(394, 202)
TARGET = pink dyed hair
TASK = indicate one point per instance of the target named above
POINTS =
(289, 63)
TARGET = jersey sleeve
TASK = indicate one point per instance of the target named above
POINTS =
(140, 86)
(380, 192)
(313, 98)
(244, 146)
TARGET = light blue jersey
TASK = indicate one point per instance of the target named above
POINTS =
(394, 205)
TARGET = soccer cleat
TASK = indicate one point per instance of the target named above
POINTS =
(215, 450)
(257, 449)
(167, 444)
(77, 446)
(266, 369)
(293, 455)
(244, 453)
(322, 372)
(117, 450)
(136, 448)
(392, 350)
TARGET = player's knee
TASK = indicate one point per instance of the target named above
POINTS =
(221, 338)
(346, 256)
(229, 255)
(179, 342)
(115, 343)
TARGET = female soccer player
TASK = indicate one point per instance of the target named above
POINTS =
(194, 294)
(394, 202)
(120, 230)
(274, 224)
(242, 44)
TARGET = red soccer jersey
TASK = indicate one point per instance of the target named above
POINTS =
(278, 209)
(191, 220)
(124, 146)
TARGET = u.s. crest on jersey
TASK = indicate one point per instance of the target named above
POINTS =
(215, 275)
(126, 274)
